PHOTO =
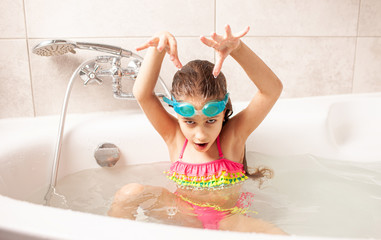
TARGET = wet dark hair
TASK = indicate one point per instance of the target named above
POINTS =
(196, 79)
(260, 174)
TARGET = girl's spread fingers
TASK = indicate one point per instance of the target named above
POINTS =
(172, 47)
(216, 37)
(177, 63)
(207, 41)
(204, 40)
(142, 47)
(217, 67)
(175, 59)
(228, 31)
(161, 44)
(150, 43)
(172, 51)
(216, 72)
(243, 33)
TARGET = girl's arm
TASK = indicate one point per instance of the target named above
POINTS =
(268, 84)
(143, 90)
(269, 90)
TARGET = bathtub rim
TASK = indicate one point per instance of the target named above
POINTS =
(112, 228)
(15, 222)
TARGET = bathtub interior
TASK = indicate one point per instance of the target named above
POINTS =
(30, 145)
(344, 127)
(336, 127)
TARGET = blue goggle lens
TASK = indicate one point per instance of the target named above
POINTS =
(210, 109)
(185, 110)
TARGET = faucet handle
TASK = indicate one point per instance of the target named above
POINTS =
(89, 73)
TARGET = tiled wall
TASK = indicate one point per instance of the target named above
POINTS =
(316, 47)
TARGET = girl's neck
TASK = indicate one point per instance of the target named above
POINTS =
(191, 155)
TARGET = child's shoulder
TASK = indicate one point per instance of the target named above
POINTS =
(232, 144)
(175, 145)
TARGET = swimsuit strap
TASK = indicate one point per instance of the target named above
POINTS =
(219, 147)
(182, 151)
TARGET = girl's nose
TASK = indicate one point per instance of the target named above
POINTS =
(200, 135)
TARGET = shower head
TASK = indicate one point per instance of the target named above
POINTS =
(54, 48)
(59, 47)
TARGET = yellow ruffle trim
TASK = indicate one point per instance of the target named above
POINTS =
(212, 181)
(232, 210)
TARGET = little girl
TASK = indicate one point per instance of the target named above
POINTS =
(207, 149)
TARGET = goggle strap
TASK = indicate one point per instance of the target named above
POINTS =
(168, 101)
(226, 98)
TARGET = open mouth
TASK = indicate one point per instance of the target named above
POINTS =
(201, 146)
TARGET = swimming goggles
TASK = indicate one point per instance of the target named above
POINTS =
(210, 109)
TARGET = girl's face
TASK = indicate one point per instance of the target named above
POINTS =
(200, 130)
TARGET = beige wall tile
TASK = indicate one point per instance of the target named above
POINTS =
(12, 19)
(51, 75)
(306, 66)
(117, 18)
(370, 18)
(367, 76)
(189, 49)
(15, 89)
(290, 18)
(310, 45)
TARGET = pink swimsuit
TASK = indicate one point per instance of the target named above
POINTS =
(215, 174)
(211, 175)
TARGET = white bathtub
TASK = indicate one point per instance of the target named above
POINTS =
(345, 127)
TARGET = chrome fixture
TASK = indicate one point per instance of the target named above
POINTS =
(102, 66)
(110, 66)
(60, 47)
(107, 154)
(96, 70)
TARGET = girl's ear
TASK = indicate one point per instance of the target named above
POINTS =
(224, 115)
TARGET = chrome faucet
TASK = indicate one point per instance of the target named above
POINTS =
(110, 66)
(102, 66)
(95, 70)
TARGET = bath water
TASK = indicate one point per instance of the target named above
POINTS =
(306, 196)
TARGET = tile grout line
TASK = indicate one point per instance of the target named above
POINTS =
(215, 26)
(191, 36)
(355, 52)
(29, 64)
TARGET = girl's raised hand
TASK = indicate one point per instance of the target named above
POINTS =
(223, 45)
(164, 41)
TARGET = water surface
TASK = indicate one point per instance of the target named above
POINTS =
(307, 195)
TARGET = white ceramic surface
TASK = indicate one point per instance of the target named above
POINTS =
(342, 127)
